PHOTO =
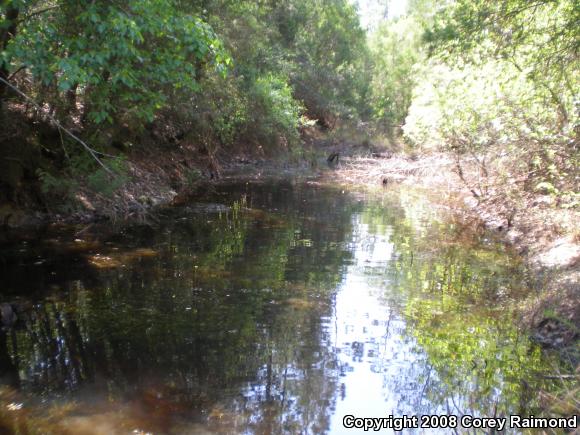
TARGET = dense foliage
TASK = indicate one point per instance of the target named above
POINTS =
(500, 91)
(205, 75)
(125, 61)
(396, 52)
(494, 83)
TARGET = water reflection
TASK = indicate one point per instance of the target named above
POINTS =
(418, 325)
(380, 368)
(266, 309)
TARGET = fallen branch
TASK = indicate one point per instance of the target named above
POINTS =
(91, 151)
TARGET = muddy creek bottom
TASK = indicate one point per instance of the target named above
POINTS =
(263, 308)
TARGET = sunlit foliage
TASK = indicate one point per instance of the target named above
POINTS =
(500, 90)
(212, 77)
(124, 59)
(396, 52)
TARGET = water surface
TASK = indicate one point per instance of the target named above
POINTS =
(263, 308)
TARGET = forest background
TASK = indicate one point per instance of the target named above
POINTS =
(493, 85)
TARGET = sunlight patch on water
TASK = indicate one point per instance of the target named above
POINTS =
(369, 337)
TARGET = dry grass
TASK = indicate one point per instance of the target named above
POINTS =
(429, 170)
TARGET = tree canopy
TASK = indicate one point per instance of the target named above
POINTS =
(494, 81)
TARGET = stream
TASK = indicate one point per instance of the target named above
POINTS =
(264, 308)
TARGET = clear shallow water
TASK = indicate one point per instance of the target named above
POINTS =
(266, 309)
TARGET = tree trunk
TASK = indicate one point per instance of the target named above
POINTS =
(6, 34)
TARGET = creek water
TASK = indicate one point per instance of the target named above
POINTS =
(263, 308)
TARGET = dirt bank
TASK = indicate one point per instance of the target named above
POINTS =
(154, 175)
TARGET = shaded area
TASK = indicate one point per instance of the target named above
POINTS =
(179, 316)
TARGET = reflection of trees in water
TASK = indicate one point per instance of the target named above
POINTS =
(294, 390)
(225, 313)
(456, 293)
(47, 350)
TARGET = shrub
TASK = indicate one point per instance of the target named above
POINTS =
(493, 115)
(275, 112)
